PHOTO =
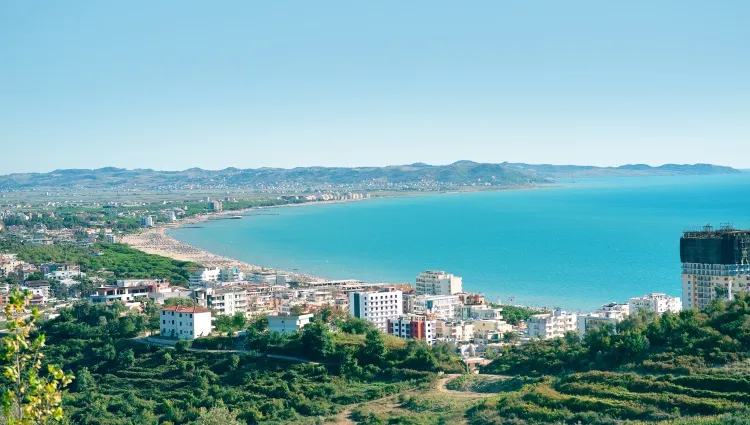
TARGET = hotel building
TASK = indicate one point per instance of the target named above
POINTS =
(435, 282)
(376, 306)
(715, 265)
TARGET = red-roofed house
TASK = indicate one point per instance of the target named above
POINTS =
(185, 322)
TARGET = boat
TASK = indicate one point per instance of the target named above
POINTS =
(235, 217)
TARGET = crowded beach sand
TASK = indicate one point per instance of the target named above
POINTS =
(156, 241)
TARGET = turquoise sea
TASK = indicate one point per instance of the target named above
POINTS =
(577, 246)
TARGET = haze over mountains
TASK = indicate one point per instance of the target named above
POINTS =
(418, 175)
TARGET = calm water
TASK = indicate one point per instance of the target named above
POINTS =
(575, 247)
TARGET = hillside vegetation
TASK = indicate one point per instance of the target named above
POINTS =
(653, 369)
(123, 382)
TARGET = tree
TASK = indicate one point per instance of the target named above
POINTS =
(239, 321)
(259, 323)
(374, 350)
(317, 339)
(510, 337)
(84, 380)
(126, 358)
(35, 276)
(31, 396)
(218, 415)
(187, 302)
(182, 346)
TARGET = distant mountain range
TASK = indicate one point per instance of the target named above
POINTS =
(418, 176)
(628, 170)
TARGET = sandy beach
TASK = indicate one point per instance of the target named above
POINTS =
(156, 241)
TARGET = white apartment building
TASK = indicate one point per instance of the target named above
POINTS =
(147, 221)
(110, 238)
(438, 282)
(185, 322)
(454, 331)
(376, 306)
(657, 303)
(226, 300)
(204, 277)
(551, 325)
(608, 314)
(442, 306)
(289, 323)
(413, 326)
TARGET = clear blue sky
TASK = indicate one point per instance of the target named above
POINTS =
(178, 84)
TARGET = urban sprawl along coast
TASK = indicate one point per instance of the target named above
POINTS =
(434, 308)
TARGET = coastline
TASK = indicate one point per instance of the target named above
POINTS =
(157, 241)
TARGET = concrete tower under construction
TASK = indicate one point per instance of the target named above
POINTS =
(715, 264)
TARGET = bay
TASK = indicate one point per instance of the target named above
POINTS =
(577, 246)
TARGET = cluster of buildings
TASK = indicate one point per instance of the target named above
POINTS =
(327, 196)
(433, 309)
(557, 323)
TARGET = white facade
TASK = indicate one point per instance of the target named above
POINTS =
(231, 275)
(288, 323)
(376, 307)
(110, 238)
(147, 221)
(551, 325)
(185, 322)
(204, 277)
(657, 303)
(454, 331)
(438, 282)
(442, 306)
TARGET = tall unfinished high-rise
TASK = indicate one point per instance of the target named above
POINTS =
(715, 264)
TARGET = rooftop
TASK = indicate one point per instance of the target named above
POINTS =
(184, 309)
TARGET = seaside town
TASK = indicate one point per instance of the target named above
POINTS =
(434, 308)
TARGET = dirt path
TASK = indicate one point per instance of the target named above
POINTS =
(390, 403)
(441, 387)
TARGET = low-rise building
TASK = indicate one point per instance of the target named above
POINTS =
(450, 331)
(551, 325)
(413, 326)
(288, 323)
(656, 303)
(126, 291)
(494, 325)
(37, 287)
(185, 322)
